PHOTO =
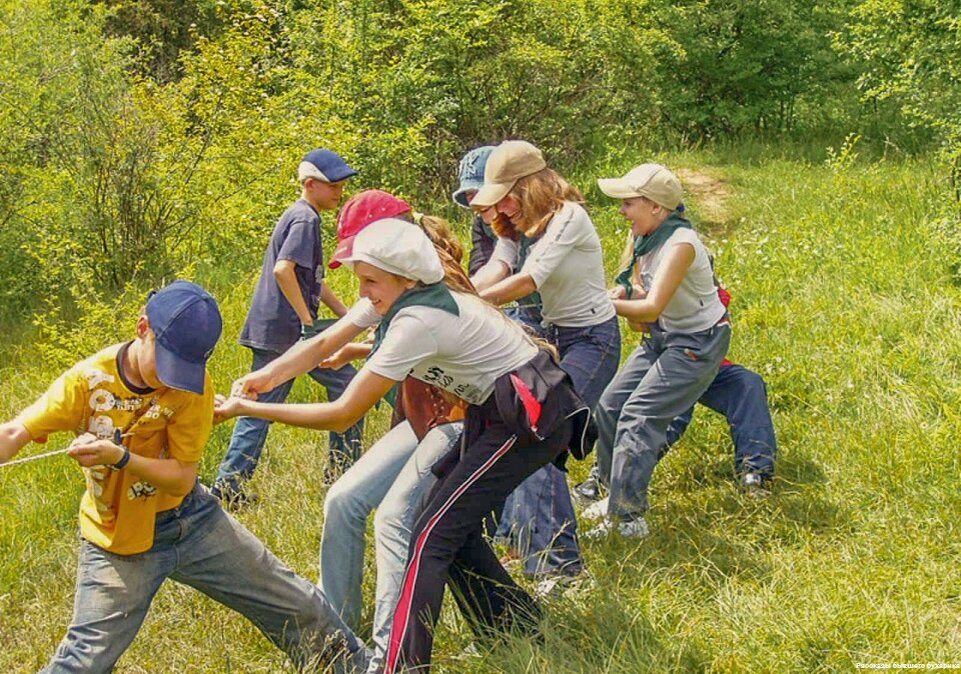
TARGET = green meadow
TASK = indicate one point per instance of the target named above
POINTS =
(845, 300)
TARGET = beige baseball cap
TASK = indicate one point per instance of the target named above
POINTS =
(509, 162)
(654, 181)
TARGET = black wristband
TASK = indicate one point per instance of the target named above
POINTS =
(120, 465)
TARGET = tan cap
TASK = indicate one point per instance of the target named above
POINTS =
(654, 181)
(509, 162)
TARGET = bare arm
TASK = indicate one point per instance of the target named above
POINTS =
(286, 277)
(363, 391)
(300, 358)
(511, 288)
(171, 476)
(668, 279)
(329, 297)
(489, 274)
(13, 437)
(346, 354)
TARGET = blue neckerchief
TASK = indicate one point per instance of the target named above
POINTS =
(648, 244)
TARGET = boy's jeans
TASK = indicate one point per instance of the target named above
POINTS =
(250, 433)
(539, 514)
(200, 545)
(661, 380)
(741, 396)
(392, 476)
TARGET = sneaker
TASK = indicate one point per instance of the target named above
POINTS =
(589, 490)
(234, 500)
(596, 510)
(753, 484)
(636, 528)
(563, 584)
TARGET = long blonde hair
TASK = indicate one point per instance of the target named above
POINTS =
(541, 195)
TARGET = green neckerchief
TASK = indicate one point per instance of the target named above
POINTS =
(532, 301)
(435, 295)
(648, 244)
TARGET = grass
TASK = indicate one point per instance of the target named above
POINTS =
(842, 300)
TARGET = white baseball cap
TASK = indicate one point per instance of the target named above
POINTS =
(398, 247)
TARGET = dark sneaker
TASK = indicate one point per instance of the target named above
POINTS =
(753, 484)
(589, 490)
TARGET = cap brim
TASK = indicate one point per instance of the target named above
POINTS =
(343, 174)
(175, 372)
(342, 252)
(491, 193)
(460, 196)
(616, 188)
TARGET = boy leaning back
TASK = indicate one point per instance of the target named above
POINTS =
(142, 412)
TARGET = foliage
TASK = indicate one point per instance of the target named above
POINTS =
(910, 52)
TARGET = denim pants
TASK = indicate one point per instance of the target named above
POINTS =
(250, 433)
(198, 544)
(392, 476)
(539, 514)
(661, 380)
(741, 396)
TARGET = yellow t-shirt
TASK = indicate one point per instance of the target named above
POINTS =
(118, 509)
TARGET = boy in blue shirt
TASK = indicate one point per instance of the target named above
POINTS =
(284, 309)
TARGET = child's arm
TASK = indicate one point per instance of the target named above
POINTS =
(509, 289)
(13, 437)
(363, 391)
(286, 277)
(668, 279)
(172, 476)
(346, 354)
(302, 357)
(329, 297)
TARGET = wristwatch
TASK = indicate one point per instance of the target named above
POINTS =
(125, 459)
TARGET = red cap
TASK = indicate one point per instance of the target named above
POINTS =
(359, 211)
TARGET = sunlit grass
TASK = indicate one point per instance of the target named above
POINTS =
(842, 301)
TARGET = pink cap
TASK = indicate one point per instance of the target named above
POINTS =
(359, 211)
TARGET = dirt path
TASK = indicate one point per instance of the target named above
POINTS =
(709, 193)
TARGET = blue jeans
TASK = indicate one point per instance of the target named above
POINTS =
(392, 476)
(200, 545)
(661, 380)
(741, 396)
(539, 513)
(250, 433)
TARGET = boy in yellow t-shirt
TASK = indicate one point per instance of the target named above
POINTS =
(142, 412)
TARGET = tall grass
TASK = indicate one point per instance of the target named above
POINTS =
(842, 300)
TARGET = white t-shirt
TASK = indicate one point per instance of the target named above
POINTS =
(695, 306)
(462, 354)
(567, 265)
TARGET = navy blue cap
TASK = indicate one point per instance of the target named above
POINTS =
(187, 324)
(471, 173)
(324, 165)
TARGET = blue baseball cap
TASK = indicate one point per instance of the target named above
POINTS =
(325, 165)
(187, 324)
(471, 173)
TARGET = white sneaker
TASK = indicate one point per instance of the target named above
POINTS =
(557, 585)
(596, 510)
(636, 528)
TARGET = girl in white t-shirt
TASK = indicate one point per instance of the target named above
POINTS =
(522, 414)
(676, 303)
(548, 245)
